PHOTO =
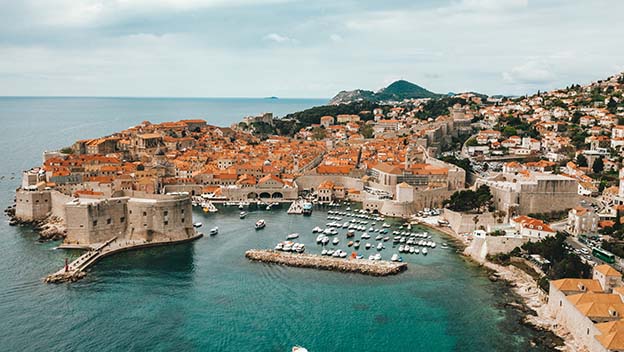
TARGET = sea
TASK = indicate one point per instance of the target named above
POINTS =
(205, 296)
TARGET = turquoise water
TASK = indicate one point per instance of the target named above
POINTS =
(205, 296)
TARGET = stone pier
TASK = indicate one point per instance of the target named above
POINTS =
(361, 266)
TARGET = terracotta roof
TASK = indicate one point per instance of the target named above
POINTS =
(574, 285)
(388, 169)
(607, 270)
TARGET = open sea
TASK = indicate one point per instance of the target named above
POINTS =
(205, 296)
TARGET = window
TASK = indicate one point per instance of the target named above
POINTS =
(94, 222)
(166, 222)
(182, 220)
(109, 221)
(144, 213)
(182, 211)
(130, 211)
(122, 219)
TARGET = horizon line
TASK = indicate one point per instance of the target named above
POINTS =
(158, 97)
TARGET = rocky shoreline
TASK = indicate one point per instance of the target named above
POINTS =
(523, 296)
(51, 228)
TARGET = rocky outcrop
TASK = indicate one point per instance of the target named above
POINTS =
(50, 228)
(361, 266)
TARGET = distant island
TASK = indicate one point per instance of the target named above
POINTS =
(271, 97)
(397, 91)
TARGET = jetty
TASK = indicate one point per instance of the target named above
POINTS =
(360, 266)
(75, 270)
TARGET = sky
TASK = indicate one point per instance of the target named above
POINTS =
(305, 49)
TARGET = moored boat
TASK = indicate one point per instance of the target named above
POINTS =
(198, 224)
(243, 214)
(260, 224)
(214, 231)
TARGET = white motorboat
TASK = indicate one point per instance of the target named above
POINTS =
(287, 246)
(368, 245)
(378, 238)
(380, 246)
(365, 236)
(412, 250)
(330, 252)
(356, 244)
(243, 214)
(424, 251)
(325, 240)
(260, 224)
(292, 236)
(214, 231)
(319, 238)
(198, 224)
(317, 230)
(298, 247)
(279, 246)
(401, 248)
(343, 254)
(324, 252)
(416, 250)
(335, 241)
(377, 256)
(395, 258)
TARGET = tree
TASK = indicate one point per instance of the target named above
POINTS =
(366, 131)
(509, 131)
(318, 133)
(581, 160)
(475, 219)
(67, 150)
(598, 166)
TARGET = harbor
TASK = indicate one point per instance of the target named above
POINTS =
(361, 266)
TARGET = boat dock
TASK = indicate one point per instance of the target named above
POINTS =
(75, 270)
(361, 266)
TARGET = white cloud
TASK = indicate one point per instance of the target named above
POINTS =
(336, 38)
(493, 5)
(278, 38)
(531, 72)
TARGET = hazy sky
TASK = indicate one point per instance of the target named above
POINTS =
(308, 48)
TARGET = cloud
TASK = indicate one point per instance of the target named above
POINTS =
(336, 38)
(531, 72)
(493, 5)
(278, 38)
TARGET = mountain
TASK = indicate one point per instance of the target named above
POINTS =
(398, 90)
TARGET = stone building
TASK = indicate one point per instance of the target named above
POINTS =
(582, 220)
(591, 309)
(150, 218)
(531, 193)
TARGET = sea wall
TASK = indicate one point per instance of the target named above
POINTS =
(481, 247)
(464, 222)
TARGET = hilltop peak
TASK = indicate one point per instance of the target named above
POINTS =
(397, 90)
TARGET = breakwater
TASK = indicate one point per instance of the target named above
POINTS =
(361, 266)
(75, 270)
